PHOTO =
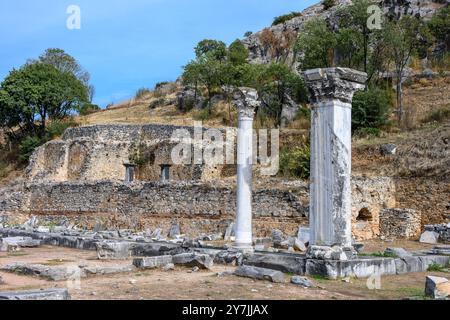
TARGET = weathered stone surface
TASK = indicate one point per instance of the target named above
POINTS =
(299, 246)
(202, 261)
(50, 294)
(441, 250)
(114, 250)
(388, 149)
(442, 229)
(13, 243)
(302, 281)
(284, 262)
(102, 270)
(152, 262)
(174, 230)
(399, 252)
(429, 237)
(408, 264)
(437, 287)
(229, 232)
(400, 223)
(331, 253)
(259, 273)
(361, 268)
(47, 272)
(303, 234)
(229, 257)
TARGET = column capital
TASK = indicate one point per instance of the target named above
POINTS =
(246, 101)
(327, 84)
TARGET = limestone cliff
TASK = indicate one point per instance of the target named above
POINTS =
(285, 34)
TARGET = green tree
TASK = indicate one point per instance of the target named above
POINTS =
(439, 26)
(211, 50)
(370, 109)
(401, 40)
(315, 45)
(237, 53)
(66, 63)
(38, 92)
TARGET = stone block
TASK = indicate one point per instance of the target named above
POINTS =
(152, 262)
(284, 262)
(437, 287)
(259, 273)
(429, 237)
(203, 261)
(51, 294)
(114, 250)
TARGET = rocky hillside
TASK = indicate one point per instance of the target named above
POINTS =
(275, 43)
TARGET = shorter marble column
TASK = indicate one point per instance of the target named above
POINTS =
(330, 215)
(246, 101)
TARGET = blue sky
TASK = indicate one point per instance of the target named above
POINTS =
(126, 45)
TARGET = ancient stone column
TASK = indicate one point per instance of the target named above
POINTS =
(330, 216)
(246, 101)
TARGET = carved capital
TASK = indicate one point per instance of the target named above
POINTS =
(246, 101)
(334, 84)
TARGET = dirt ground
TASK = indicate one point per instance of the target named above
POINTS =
(182, 283)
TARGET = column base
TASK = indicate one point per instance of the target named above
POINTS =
(241, 247)
(340, 253)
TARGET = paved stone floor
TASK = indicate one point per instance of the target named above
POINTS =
(182, 283)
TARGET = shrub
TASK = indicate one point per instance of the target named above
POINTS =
(56, 128)
(295, 162)
(370, 109)
(327, 4)
(202, 115)
(141, 93)
(248, 34)
(286, 17)
(438, 116)
(27, 146)
(88, 108)
(367, 133)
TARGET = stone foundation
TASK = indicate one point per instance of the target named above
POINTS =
(400, 223)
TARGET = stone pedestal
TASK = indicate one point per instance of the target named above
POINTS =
(331, 91)
(246, 101)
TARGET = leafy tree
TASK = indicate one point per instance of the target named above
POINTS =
(237, 53)
(211, 50)
(370, 109)
(38, 92)
(315, 45)
(349, 47)
(439, 26)
(401, 40)
(66, 63)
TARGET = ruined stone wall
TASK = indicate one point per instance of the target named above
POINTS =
(369, 198)
(284, 206)
(400, 223)
(99, 152)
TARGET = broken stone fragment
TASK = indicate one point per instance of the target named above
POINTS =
(113, 250)
(51, 294)
(429, 237)
(277, 237)
(299, 245)
(437, 287)
(168, 267)
(229, 257)
(152, 262)
(259, 273)
(229, 232)
(388, 149)
(303, 235)
(302, 281)
(203, 261)
(174, 230)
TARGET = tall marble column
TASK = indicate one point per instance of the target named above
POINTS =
(246, 101)
(330, 216)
